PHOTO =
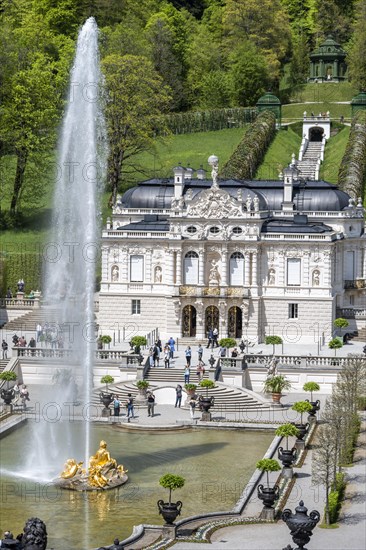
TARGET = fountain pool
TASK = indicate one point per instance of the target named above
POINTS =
(207, 459)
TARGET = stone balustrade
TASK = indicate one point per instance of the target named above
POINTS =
(352, 312)
(119, 356)
(296, 361)
(14, 303)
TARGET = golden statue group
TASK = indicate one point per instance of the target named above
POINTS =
(103, 472)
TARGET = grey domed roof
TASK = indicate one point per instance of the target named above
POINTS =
(313, 196)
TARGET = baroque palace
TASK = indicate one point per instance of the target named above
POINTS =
(251, 258)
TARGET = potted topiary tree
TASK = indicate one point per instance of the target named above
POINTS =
(190, 389)
(335, 343)
(287, 456)
(137, 342)
(268, 494)
(106, 397)
(274, 340)
(302, 407)
(312, 386)
(142, 386)
(170, 510)
(275, 385)
(8, 394)
(339, 324)
(101, 343)
(207, 402)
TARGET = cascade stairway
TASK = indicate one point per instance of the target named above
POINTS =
(361, 336)
(30, 320)
(307, 165)
(228, 399)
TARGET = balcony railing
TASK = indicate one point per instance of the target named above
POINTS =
(355, 284)
(352, 312)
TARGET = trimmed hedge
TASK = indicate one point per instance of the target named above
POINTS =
(335, 498)
(352, 171)
(245, 160)
(14, 266)
(205, 121)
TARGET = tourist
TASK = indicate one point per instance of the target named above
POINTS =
(156, 354)
(186, 375)
(38, 331)
(215, 334)
(16, 392)
(130, 407)
(166, 356)
(200, 371)
(178, 392)
(158, 343)
(151, 357)
(4, 347)
(32, 344)
(222, 351)
(171, 343)
(234, 353)
(150, 403)
(192, 406)
(188, 354)
(24, 396)
(9, 293)
(200, 353)
(210, 338)
(15, 340)
(116, 405)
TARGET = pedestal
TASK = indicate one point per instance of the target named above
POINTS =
(20, 295)
(169, 531)
(106, 412)
(300, 445)
(287, 473)
(268, 514)
(206, 417)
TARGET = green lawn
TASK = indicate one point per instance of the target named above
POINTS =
(333, 155)
(326, 91)
(296, 112)
(279, 154)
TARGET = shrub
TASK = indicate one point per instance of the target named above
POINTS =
(362, 403)
(107, 379)
(8, 376)
(190, 387)
(276, 384)
(227, 342)
(142, 384)
(105, 339)
(335, 344)
(311, 386)
(171, 482)
(138, 341)
(274, 340)
(250, 152)
(287, 430)
(352, 171)
(208, 384)
(268, 465)
(302, 407)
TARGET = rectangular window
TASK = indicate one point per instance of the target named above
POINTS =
(293, 311)
(136, 307)
(136, 269)
(350, 265)
(293, 271)
(351, 300)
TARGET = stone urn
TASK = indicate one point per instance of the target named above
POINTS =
(315, 405)
(7, 395)
(301, 524)
(206, 403)
(106, 399)
(303, 430)
(169, 510)
(268, 495)
(287, 457)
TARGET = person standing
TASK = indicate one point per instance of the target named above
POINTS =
(188, 353)
(16, 392)
(178, 399)
(200, 353)
(4, 347)
(171, 343)
(130, 407)
(116, 405)
(210, 338)
(215, 333)
(192, 406)
(166, 356)
(156, 354)
(186, 375)
(150, 403)
(32, 344)
(38, 331)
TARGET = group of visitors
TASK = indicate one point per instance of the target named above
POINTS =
(156, 350)
(21, 393)
(130, 409)
(50, 335)
(213, 335)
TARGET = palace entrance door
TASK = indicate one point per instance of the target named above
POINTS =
(189, 316)
(211, 318)
(235, 322)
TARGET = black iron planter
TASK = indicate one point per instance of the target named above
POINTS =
(106, 399)
(287, 457)
(315, 405)
(7, 395)
(206, 403)
(301, 524)
(169, 510)
(303, 430)
(268, 495)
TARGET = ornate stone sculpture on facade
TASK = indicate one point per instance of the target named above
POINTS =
(316, 277)
(248, 203)
(158, 274)
(115, 274)
(214, 203)
(271, 276)
(214, 276)
(245, 309)
(256, 204)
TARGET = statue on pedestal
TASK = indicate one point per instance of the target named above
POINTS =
(214, 275)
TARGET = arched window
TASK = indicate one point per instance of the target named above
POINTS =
(191, 268)
(237, 269)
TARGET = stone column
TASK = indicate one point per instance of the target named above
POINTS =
(201, 267)
(254, 281)
(171, 262)
(105, 274)
(148, 265)
(224, 265)
(246, 268)
(179, 267)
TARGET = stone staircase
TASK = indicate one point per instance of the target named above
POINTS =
(29, 321)
(228, 399)
(307, 165)
(3, 363)
(361, 336)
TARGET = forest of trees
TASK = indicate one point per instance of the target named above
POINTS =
(204, 54)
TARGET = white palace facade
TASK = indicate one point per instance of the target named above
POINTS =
(252, 258)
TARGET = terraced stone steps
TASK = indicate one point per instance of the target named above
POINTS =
(30, 320)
